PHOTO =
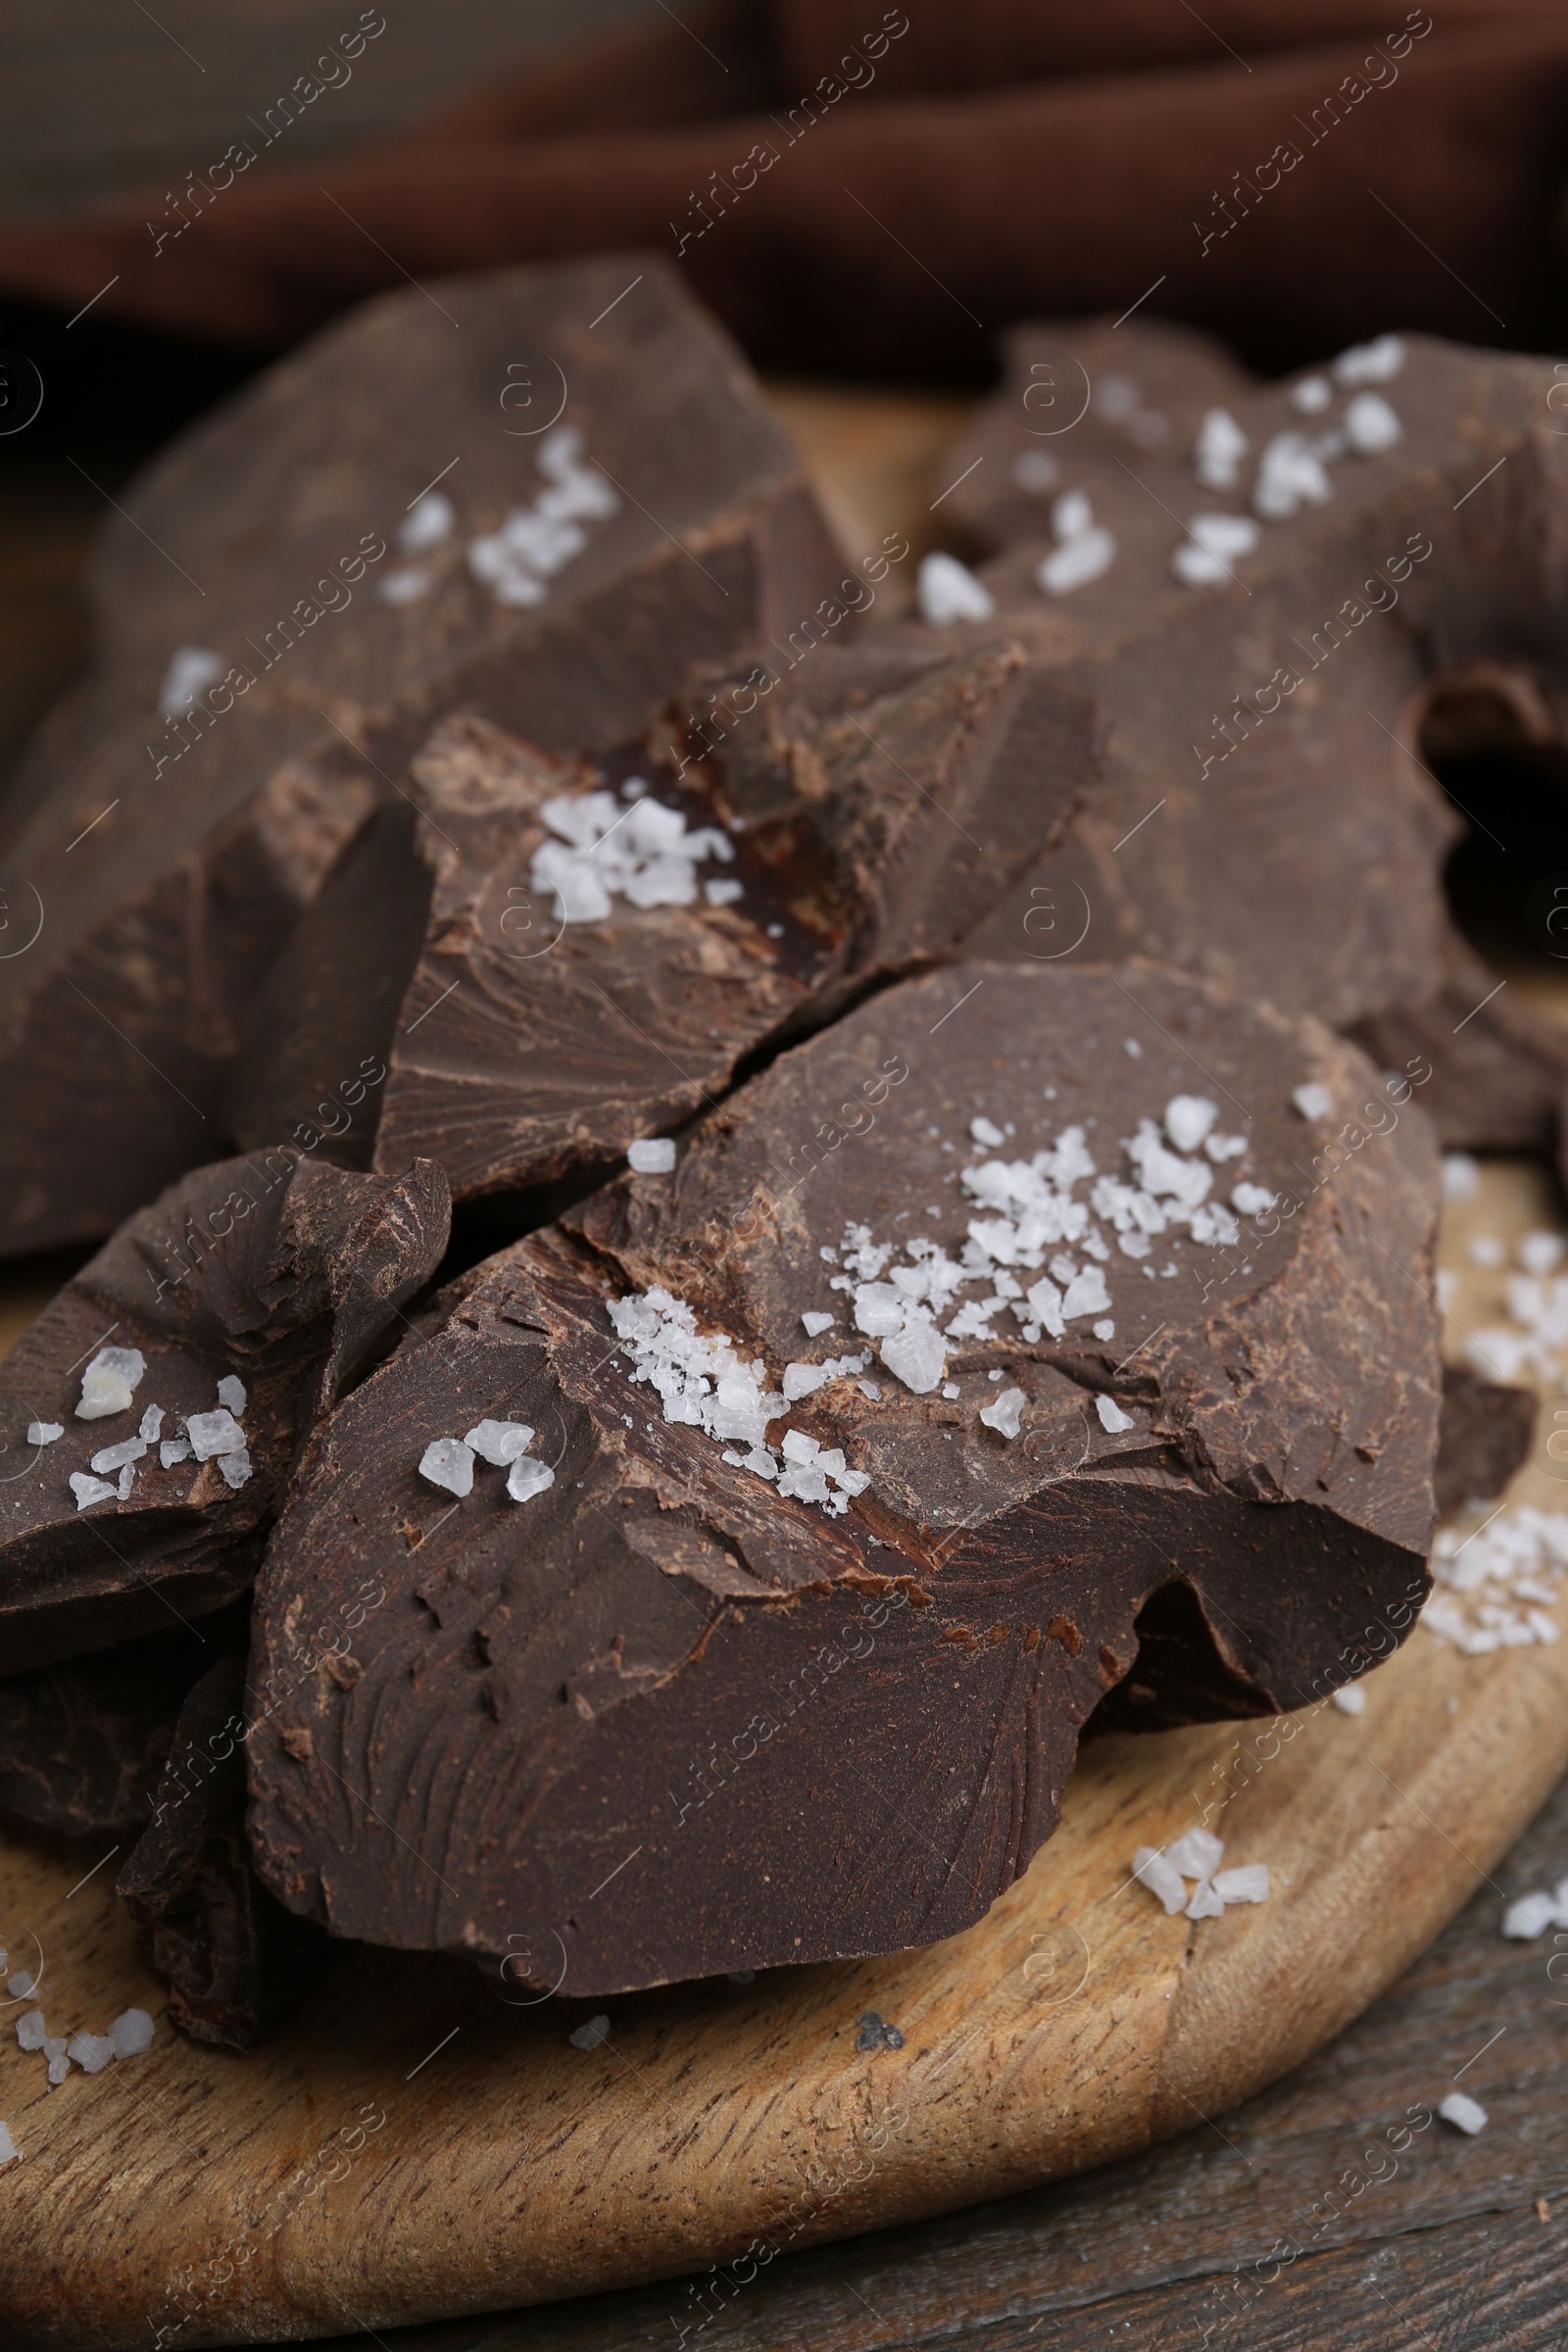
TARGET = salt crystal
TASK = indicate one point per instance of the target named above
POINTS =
(214, 1432)
(916, 1356)
(1467, 2115)
(8, 2150)
(1251, 1199)
(89, 1491)
(91, 2051)
(948, 591)
(1461, 1176)
(1312, 1100)
(1532, 1914)
(132, 2033)
(1005, 1412)
(499, 1441)
(1151, 1870)
(1111, 1417)
(426, 523)
(1221, 448)
(590, 2035)
(1350, 1700)
(1247, 1883)
(152, 1423)
(1539, 1254)
(1207, 1903)
(172, 1450)
(1484, 1249)
(1076, 563)
(404, 587)
(44, 1433)
(1131, 1046)
(949, 1389)
(721, 892)
(1290, 474)
(1188, 1120)
(1086, 1294)
(986, 1132)
(1033, 470)
(869, 1389)
(115, 1457)
(815, 1323)
(1370, 426)
(1071, 514)
(30, 2030)
(191, 671)
(447, 1462)
(108, 1380)
(1196, 1853)
(527, 1478)
(59, 2069)
(652, 1155)
(1311, 395)
(800, 1380)
(231, 1391)
(236, 1467)
(1213, 545)
(1372, 363)
(125, 1481)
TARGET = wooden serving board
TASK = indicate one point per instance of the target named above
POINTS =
(411, 2148)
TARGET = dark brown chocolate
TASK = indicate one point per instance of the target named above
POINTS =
(276, 1273)
(695, 1704)
(663, 520)
(1484, 1434)
(837, 850)
(235, 1962)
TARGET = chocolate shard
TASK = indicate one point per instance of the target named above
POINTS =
(163, 1395)
(607, 941)
(235, 1962)
(828, 1475)
(1484, 1435)
(622, 503)
(1078, 394)
(1264, 621)
(83, 1743)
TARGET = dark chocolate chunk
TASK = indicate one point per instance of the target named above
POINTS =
(235, 1962)
(188, 1358)
(607, 942)
(829, 1476)
(1484, 1435)
(83, 1741)
(1264, 617)
(542, 520)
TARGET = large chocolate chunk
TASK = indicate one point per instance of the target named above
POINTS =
(817, 1489)
(165, 1392)
(236, 1963)
(605, 943)
(83, 1743)
(539, 500)
(1484, 1435)
(1264, 622)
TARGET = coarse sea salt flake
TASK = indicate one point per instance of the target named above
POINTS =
(91, 2051)
(1312, 1100)
(1196, 1853)
(1246, 1884)
(948, 591)
(230, 1392)
(1206, 1902)
(89, 1491)
(152, 1424)
(132, 2033)
(1005, 1413)
(652, 1155)
(108, 1380)
(214, 1432)
(449, 1463)
(987, 1133)
(499, 1441)
(8, 2150)
(1532, 1914)
(235, 1466)
(527, 1478)
(44, 1433)
(1467, 2115)
(1350, 1700)
(1188, 1120)
(1370, 426)
(172, 1450)
(1461, 1176)
(31, 2030)
(1077, 561)
(1221, 448)
(815, 1322)
(1111, 1417)
(115, 1457)
(1151, 1870)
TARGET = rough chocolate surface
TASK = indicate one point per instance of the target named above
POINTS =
(235, 1962)
(548, 1024)
(657, 515)
(1484, 1435)
(276, 1272)
(668, 1715)
(1265, 722)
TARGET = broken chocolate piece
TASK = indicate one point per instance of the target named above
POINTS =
(1484, 1435)
(83, 1743)
(622, 503)
(606, 944)
(1128, 1287)
(236, 1963)
(153, 1506)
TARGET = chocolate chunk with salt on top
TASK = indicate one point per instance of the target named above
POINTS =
(607, 940)
(178, 1370)
(789, 1658)
(482, 493)
(235, 1962)
(83, 1743)
(1484, 1436)
(1346, 550)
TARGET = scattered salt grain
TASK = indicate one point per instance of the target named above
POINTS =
(152, 1423)
(499, 1441)
(1206, 1902)
(815, 1323)
(115, 1457)
(1375, 363)
(601, 850)
(59, 2065)
(1350, 1700)
(948, 591)
(1531, 1916)
(30, 2030)
(916, 1356)
(8, 2150)
(1251, 1199)
(44, 1433)
(236, 1467)
(1213, 545)
(1461, 1176)
(1005, 1413)
(1111, 1417)
(652, 1155)
(1540, 1252)
(214, 1432)
(1290, 474)
(949, 1389)
(231, 1391)
(1312, 395)
(533, 543)
(721, 892)
(1034, 471)
(1370, 426)
(1312, 1100)
(1467, 2115)
(527, 1478)
(1079, 560)
(1246, 1883)
(1196, 1854)
(868, 1388)
(172, 1450)
(987, 1133)
(91, 2051)
(1221, 448)
(1130, 1045)
(1151, 1870)
(427, 522)
(191, 671)
(1484, 1249)
(1188, 1119)
(108, 1380)
(590, 2035)
(447, 1462)
(404, 587)
(132, 2033)
(89, 1491)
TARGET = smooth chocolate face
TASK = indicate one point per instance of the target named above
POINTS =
(788, 1656)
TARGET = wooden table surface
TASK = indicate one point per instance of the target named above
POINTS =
(1242, 2233)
